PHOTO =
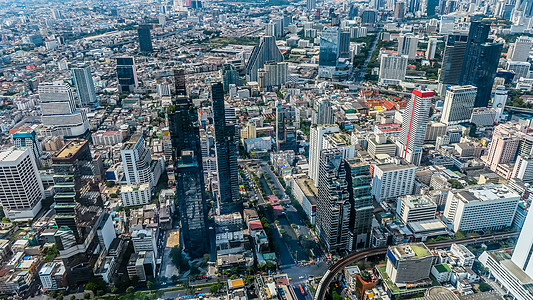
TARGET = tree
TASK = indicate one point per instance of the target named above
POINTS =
(72, 297)
(86, 296)
(335, 296)
(110, 184)
(96, 284)
(149, 284)
(484, 287)
(130, 290)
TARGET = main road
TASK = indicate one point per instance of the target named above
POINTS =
(354, 257)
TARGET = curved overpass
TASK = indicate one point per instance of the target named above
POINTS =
(354, 257)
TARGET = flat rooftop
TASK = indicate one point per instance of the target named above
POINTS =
(487, 192)
(10, 155)
(411, 251)
(71, 148)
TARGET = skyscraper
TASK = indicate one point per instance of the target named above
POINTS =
(266, 51)
(272, 75)
(83, 80)
(230, 76)
(359, 179)
(126, 74)
(475, 65)
(392, 68)
(329, 50)
(226, 152)
(21, 189)
(458, 104)
(315, 147)
(498, 103)
(431, 6)
(78, 208)
(59, 111)
(432, 47)
(525, 7)
(399, 10)
(333, 206)
(287, 122)
(415, 119)
(407, 45)
(136, 161)
(503, 147)
(323, 112)
(187, 155)
(145, 39)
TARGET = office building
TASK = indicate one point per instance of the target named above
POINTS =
(481, 207)
(379, 144)
(519, 50)
(409, 263)
(407, 45)
(266, 51)
(503, 146)
(432, 48)
(323, 112)
(483, 116)
(83, 80)
(458, 104)
(434, 130)
(226, 152)
(230, 75)
(78, 207)
(315, 147)
(272, 75)
(137, 161)
(498, 104)
(21, 189)
(329, 50)
(431, 6)
(471, 60)
(392, 68)
(392, 180)
(53, 276)
(519, 68)
(333, 206)
(359, 180)
(135, 194)
(414, 124)
(399, 10)
(524, 247)
(126, 74)
(287, 122)
(523, 169)
(27, 138)
(415, 208)
(145, 39)
(59, 111)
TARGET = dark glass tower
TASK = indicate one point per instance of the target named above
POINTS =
(359, 179)
(226, 151)
(190, 188)
(287, 118)
(230, 76)
(145, 39)
(266, 51)
(126, 74)
(471, 60)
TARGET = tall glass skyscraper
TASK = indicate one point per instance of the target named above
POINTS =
(145, 39)
(471, 60)
(359, 179)
(190, 187)
(126, 74)
(226, 152)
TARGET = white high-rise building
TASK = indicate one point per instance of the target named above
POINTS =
(458, 104)
(136, 161)
(392, 180)
(520, 69)
(323, 112)
(21, 189)
(59, 112)
(414, 125)
(524, 248)
(315, 146)
(498, 103)
(392, 68)
(519, 51)
(481, 207)
(415, 208)
(432, 48)
(272, 74)
(523, 169)
(407, 45)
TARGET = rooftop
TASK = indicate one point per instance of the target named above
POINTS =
(71, 148)
(411, 251)
(486, 192)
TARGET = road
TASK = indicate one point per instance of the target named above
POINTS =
(359, 76)
(354, 257)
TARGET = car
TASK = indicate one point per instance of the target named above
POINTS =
(199, 289)
(178, 285)
(301, 277)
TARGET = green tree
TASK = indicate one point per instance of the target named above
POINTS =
(86, 296)
(72, 297)
(335, 296)
(130, 290)
(484, 287)
(96, 284)
(149, 284)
